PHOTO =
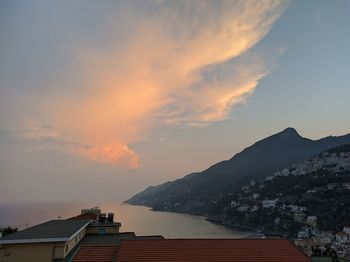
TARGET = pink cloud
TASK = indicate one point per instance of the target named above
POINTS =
(158, 74)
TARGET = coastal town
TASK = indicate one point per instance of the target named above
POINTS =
(291, 213)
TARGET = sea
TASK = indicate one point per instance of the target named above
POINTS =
(139, 219)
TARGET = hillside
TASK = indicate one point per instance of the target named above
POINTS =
(262, 159)
(314, 193)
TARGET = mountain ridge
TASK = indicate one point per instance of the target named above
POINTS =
(259, 160)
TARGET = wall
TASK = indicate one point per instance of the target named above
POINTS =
(37, 252)
(71, 244)
(110, 230)
(30, 252)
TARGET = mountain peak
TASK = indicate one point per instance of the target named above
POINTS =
(289, 133)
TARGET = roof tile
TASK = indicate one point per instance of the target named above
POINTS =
(96, 254)
(209, 250)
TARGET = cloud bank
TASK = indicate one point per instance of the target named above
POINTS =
(171, 62)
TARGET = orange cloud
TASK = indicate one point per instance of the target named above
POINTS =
(114, 153)
(181, 64)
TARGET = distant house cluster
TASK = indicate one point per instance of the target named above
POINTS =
(310, 236)
(325, 165)
(334, 162)
(299, 213)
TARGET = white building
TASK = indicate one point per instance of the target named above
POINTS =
(269, 203)
(297, 209)
(303, 234)
(300, 216)
(285, 172)
(332, 160)
(255, 208)
(245, 188)
(234, 204)
(256, 195)
(322, 240)
(278, 173)
(346, 229)
(243, 208)
(311, 220)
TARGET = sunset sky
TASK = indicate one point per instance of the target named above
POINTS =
(100, 99)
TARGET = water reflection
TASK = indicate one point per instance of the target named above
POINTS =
(139, 219)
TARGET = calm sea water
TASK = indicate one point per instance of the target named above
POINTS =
(138, 219)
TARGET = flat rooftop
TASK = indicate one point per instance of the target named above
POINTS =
(51, 231)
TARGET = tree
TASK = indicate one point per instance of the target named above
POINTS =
(8, 230)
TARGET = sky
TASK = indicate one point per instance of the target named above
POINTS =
(100, 99)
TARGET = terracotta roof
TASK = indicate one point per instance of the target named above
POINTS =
(96, 254)
(86, 216)
(207, 250)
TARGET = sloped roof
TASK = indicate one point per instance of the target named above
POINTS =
(51, 231)
(96, 254)
(210, 250)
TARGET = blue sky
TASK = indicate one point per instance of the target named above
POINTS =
(111, 97)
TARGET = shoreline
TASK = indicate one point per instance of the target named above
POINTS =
(242, 229)
(251, 231)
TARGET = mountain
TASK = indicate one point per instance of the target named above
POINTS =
(262, 159)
